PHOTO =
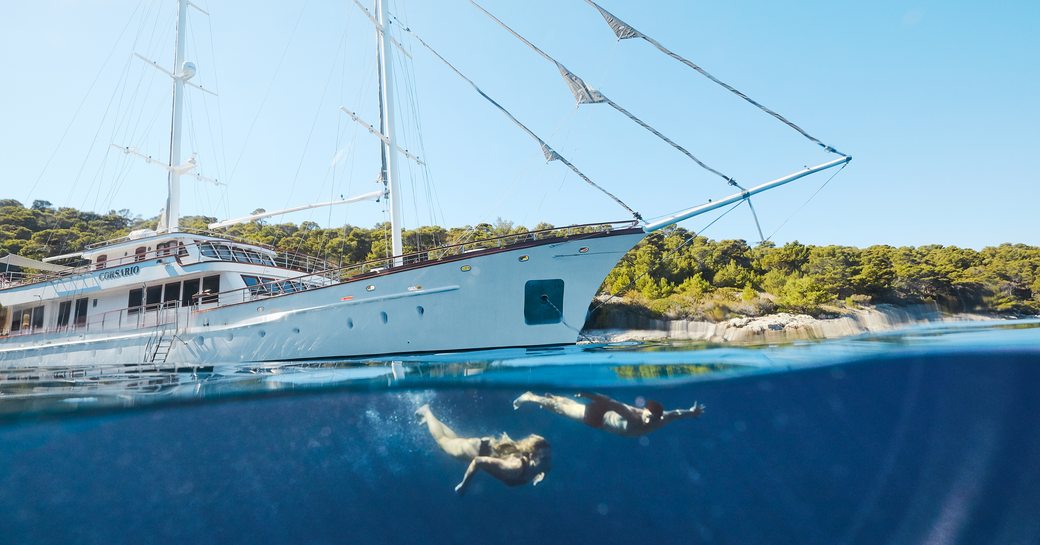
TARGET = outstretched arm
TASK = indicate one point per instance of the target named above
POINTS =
(508, 470)
(460, 488)
(693, 412)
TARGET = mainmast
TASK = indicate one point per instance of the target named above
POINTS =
(184, 71)
(386, 108)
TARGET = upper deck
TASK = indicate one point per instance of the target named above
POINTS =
(113, 258)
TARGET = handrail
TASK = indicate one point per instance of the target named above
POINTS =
(124, 318)
(331, 276)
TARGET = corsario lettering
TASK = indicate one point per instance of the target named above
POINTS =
(119, 273)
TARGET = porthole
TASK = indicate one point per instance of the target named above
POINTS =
(296, 330)
(370, 287)
(465, 268)
(262, 333)
(525, 257)
(384, 317)
(230, 336)
(420, 311)
(259, 309)
(583, 250)
(350, 323)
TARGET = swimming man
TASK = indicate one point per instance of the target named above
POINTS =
(604, 413)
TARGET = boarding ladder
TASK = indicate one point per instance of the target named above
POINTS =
(163, 337)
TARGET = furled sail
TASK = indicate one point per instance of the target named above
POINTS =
(585, 94)
(625, 31)
(547, 150)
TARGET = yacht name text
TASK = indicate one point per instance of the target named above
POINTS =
(120, 273)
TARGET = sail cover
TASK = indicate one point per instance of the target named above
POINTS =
(582, 92)
(623, 30)
(620, 28)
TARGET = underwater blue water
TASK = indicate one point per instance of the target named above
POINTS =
(924, 435)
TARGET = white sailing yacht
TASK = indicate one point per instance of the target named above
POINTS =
(177, 297)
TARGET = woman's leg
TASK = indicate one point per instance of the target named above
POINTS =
(463, 448)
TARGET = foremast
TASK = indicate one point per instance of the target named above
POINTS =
(184, 71)
(386, 118)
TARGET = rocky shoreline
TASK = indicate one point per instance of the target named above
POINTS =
(779, 327)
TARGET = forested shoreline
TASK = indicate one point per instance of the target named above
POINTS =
(672, 274)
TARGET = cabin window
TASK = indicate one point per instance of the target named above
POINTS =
(139, 253)
(191, 289)
(163, 248)
(254, 258)
(16, 320)
(80, 316)
(253, 283)
(240, 255)
(37, 317)
(182, 250)
(152, 296)
(208, 251)
(133, 304)
(101, 261)
(64, 312)
(172, 293)
(224, 252)
(210, 289)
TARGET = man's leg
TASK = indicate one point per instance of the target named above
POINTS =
(563, 406)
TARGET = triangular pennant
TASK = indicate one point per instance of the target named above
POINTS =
(620, 28)
(550, 154)
(582, 92)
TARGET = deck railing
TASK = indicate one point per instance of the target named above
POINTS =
(140, 317)
(335, 275)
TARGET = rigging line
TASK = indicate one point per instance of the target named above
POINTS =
(660, 262)
(550, 154)
(414, 100)
(761, 237)
(314, 122)
(587, 95)
(121, 86)
(669, 141)
(82, 101)
(807, 201)
(216, 85)
(624, 31)
(267, 93)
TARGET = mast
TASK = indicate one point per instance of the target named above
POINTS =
(386, 108)
(184, 71)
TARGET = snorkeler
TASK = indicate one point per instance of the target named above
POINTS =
(512, 462)
(608, 414)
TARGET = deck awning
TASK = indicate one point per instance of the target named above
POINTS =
(14, 260)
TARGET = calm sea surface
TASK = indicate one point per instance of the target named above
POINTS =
(924, 435)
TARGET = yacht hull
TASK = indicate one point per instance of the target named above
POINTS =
(529, 295)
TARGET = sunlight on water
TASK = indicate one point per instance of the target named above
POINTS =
(25, 392)
(925, 435)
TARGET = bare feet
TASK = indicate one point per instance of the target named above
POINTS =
(526, 397)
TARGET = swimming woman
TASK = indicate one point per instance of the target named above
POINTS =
(512, 462)
(604, 413)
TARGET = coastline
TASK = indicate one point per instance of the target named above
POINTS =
(778, 327)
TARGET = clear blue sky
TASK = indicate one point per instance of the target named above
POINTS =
(936, 100)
